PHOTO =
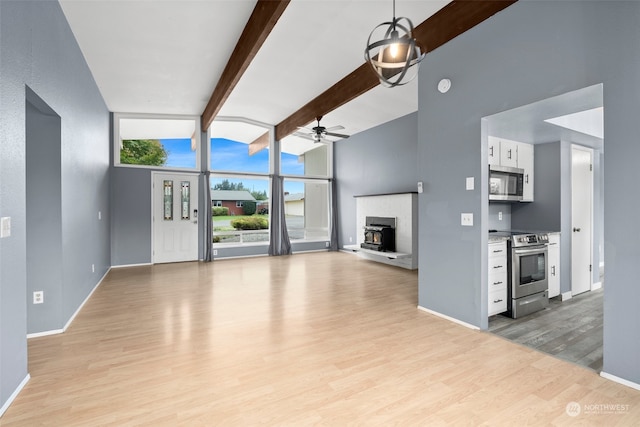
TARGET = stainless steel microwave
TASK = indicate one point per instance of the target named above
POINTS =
(505, 183)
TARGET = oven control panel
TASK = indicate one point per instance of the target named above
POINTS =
(530, 239)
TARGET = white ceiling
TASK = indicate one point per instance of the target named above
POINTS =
(166, 57)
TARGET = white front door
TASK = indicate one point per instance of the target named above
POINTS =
(174, 217)
(581, 219)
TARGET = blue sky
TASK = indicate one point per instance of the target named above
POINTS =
(230, 155)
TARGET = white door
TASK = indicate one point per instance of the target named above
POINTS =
(581, 219)
(175, 217)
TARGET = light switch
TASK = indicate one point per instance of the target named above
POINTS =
(466, 219)
(5, 226)
(420, 187)
(470, 183)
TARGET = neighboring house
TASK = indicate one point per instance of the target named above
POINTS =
(294, 204)
(232, 199)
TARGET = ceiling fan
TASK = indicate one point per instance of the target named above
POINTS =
(319, 133)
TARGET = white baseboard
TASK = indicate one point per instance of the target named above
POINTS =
(130, 265)
(45, 333)
(73, 316)
(565, 296)
(13, 396)
(451, 319)
(596, 285)
(620, 380)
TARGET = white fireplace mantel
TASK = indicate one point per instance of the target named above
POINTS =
(403, 207)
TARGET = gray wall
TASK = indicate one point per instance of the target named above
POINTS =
(130, 216)
(530, 51)
(38, 49)
(377, 161)
(544, 213)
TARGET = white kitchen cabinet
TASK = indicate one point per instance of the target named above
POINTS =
(525, 161)
(494, 151)
(497, 283)
(508, 153)
(554, 264)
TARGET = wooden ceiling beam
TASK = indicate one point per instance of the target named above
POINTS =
(263, 18)
(446, 24)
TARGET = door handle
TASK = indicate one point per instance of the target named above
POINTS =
(577, 230)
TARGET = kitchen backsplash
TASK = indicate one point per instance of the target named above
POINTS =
(495, 211)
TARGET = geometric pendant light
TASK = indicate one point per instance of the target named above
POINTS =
(395, 56)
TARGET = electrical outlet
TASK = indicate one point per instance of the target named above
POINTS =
(38, 297)
(215, 252)
(350, 239)
(466, 219)
(326, 244)
(93, 268)
(499, 216)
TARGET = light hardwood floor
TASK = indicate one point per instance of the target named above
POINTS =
(312, 339)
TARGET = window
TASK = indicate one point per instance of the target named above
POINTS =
(243, 217)
(239, 159)
(237, 146)
(306, 208)
(217, 203)
(156, 141)
(303, 157)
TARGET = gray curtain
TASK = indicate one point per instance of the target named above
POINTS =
(333, 245)
(279, 243)
(206, 217)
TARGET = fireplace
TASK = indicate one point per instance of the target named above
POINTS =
(379, 234)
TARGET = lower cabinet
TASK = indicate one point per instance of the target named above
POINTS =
(554, 264)
(497, 284)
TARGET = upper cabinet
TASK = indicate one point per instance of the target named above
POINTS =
(505, 152)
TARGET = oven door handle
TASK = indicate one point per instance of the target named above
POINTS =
(530, 250)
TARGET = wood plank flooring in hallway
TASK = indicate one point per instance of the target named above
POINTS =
(310, 339)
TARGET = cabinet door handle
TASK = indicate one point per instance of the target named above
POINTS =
(509, 151)
(497, 300)
(497, 251)
(491, 151)
(497, 283)
(497, 266)
(526, 178)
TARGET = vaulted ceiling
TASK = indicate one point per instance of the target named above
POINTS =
(276, 62)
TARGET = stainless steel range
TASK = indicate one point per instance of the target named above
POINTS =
(528, 290)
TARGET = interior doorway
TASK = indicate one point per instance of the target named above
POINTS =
(554, 127)
(43, 137)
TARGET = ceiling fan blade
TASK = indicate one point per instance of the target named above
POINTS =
(339, 135)
(332, 128)
(304, 135)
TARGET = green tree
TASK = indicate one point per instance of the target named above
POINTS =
(143, 152)
(226, 185)
(249, 207)
(259, 195)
